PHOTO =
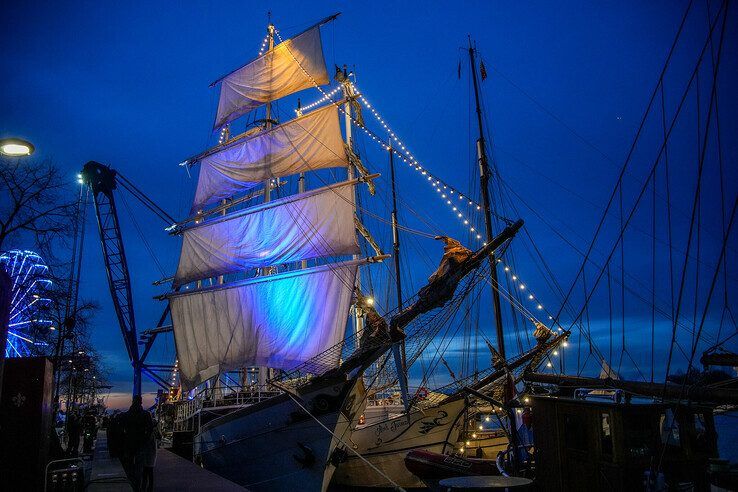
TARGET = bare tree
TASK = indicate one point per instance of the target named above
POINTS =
(35, 200)
(38, 205)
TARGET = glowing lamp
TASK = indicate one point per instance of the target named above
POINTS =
(16, 147)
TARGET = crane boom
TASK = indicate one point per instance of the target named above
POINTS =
(102, 182)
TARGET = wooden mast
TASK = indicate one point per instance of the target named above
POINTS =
(484, 175)
(396, 243)
(398, 348)
(264, 371)
(268, 119)
(348, 93)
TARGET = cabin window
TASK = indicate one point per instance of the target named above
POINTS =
(669, 428)
(606, 433)
(575, 432)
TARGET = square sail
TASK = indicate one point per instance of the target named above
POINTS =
(292, 66)
(307, 143)
(277, 321)
(314, 224)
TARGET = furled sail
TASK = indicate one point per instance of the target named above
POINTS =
(313, 224)
(276, 321)
(292, 66)
(307, 143)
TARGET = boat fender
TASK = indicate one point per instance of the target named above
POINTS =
(308, 457)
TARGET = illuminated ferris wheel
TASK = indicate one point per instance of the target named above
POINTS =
(29, 327)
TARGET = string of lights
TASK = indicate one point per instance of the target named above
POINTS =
(265, 43)
(445, 191)
(326, 97)
(175, 373)
(224, 132)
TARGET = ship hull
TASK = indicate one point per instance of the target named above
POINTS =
(385, 444)
(277, 446)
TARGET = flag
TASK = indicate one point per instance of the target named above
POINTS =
(483, 70)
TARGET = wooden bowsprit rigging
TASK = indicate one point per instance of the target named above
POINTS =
(102, 180)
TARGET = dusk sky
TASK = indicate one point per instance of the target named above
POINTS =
(126, 84)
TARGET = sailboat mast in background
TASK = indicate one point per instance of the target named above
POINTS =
(484, 175)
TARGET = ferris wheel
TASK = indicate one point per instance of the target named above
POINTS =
(28, 327)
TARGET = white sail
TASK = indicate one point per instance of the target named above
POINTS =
(306, 143)
(276, 321)
(293, 65)
(313, 224)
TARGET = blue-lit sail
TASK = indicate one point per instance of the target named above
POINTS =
(276, 321)
(307, 143)
(315, 224)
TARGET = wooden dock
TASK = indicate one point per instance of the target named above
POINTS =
(172, 473)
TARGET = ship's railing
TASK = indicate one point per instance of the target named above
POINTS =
(223, 395)
(184, 411)
(237, 395)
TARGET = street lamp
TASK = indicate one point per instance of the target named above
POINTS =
(16, 147)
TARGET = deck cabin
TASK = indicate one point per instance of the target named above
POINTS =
(590, 443)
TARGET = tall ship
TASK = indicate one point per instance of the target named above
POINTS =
(272, 289)
(302, 362)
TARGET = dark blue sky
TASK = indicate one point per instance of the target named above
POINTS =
(127, 85)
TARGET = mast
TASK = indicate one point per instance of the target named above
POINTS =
(268, 182)
(398, 348)
(484, 175)
(348, 94)
(396, 244)
(264, 372)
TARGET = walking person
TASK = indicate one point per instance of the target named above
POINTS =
(74, 429)
(150, 449)
(137, 429)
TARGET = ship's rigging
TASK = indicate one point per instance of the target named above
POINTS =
(286, 240)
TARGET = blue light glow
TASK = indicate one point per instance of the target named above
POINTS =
(28, 273)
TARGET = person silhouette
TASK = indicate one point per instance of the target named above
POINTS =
(137, 430)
